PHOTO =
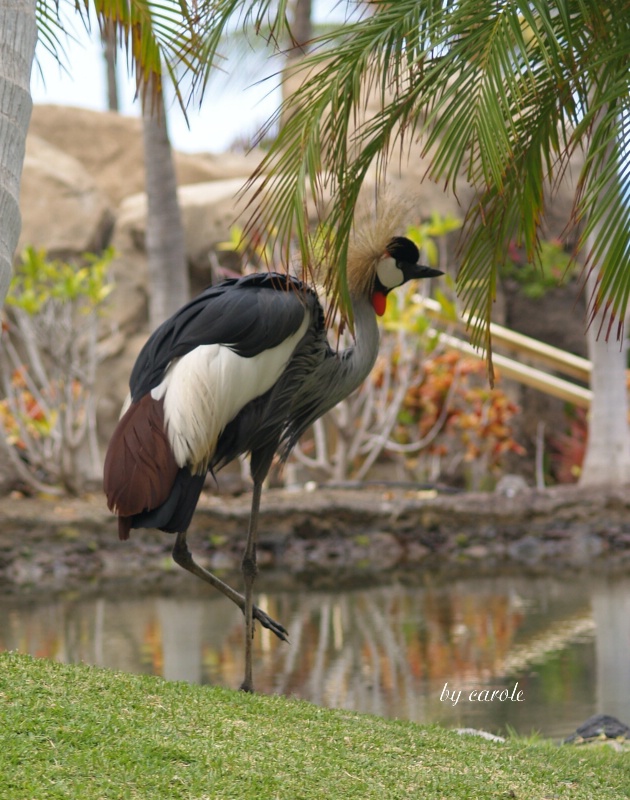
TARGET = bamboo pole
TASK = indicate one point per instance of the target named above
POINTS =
(530, 376)
(559, 360)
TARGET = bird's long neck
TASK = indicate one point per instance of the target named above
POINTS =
(359, 359)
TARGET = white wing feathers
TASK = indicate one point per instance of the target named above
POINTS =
(206, 389)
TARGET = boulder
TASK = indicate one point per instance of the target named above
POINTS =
(209, 210)
(63, 209)
(110, 147)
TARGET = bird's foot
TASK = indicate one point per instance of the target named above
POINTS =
(271, 625)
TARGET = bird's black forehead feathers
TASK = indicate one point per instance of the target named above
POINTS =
(402, 249)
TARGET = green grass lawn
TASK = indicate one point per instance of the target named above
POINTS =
(81, 732)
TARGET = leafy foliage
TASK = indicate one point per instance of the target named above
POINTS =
(501, 95)
(39, 280)
(48, 366)
(425, 409)
(176, 37)
(536, 279)
(471, 422)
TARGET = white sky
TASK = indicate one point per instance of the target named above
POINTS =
(230, 107)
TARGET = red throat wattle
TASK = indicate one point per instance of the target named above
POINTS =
(379, 302)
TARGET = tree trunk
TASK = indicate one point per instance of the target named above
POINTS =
(607, 458)
(169, 285)
(108, 38)
(302, 28)
(18, 35)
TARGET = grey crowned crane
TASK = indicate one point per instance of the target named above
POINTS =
(245, 367)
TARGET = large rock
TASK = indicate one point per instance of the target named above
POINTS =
(209, 211)
(63, 209)
(110, 147)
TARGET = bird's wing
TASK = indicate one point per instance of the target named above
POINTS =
(177, 413)
(248, 315)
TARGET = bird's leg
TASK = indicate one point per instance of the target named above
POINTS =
(183, 557)
(250, 569)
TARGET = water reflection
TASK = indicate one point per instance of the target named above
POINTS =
(386, 650)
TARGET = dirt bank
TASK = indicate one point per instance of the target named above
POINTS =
(53, 544)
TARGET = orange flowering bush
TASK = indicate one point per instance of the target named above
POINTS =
(48, 360)
(457, 418)
(425, 409)
(26, 413)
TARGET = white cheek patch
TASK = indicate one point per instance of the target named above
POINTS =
(389, 274)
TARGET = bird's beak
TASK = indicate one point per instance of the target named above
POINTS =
(414, 272)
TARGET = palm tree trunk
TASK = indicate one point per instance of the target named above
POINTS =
(302, 27)
(18, 35)
(607, 458)
(108, 37)
(169, 285)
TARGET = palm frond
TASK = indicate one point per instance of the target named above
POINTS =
(500, 94)
(175, 37)
(51, 30)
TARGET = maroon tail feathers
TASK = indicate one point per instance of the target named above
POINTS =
(139, 466)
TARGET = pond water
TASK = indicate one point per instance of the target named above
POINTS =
(394, 650)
